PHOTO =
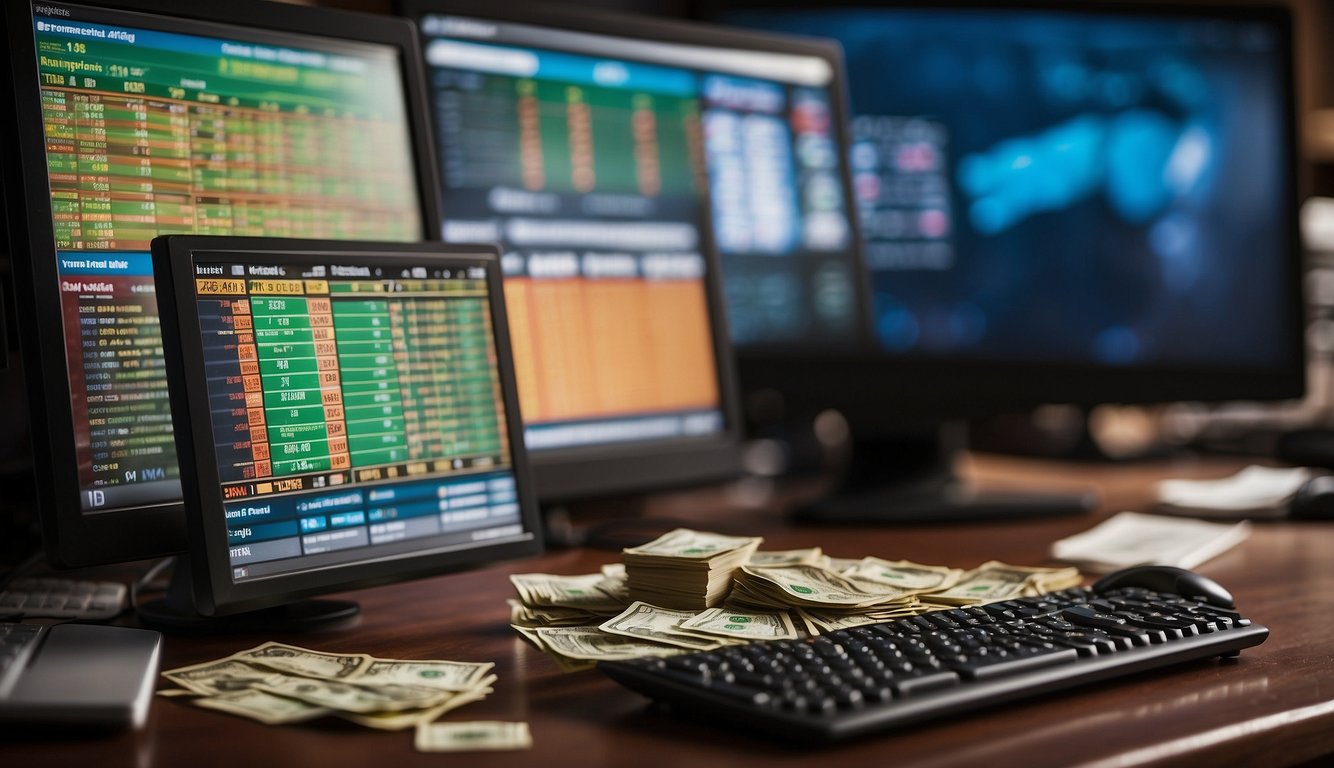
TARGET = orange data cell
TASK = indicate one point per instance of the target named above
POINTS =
(241, 307)
(259, 436)
(321, 321)
(260, 451)
(333, 413)
(212, 286)
(255, 417)
(339, 461)
(318, 287)
(249, 367)
(334, 428)
(326, 363)
(329, 379)
(321, 334)
(326, 349)
(243, 322)
(338, 445)
(603, 348)
(317, 306)
(246, 337)
(251, 384)
(263, 469)
(254, 400)
(246, 352)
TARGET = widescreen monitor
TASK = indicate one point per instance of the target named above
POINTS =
(1059, 202)
(141, 118)
(619, 161)
(346, 414)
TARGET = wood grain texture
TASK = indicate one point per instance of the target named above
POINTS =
(1272, 706)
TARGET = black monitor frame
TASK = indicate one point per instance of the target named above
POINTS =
(887, 395)
(584, 472)
(72, 537)
(214, 591)
(906, 414)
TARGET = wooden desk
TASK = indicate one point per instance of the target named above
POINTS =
(1275, 705)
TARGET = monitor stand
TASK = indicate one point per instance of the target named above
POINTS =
(176, 612)
(911, 479)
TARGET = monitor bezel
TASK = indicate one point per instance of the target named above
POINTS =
(214, 591)
(73, 537)
(885, 393)
(582, 472)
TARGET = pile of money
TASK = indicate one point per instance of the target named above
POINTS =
(685, 569)
(580, 620)
(278, 684)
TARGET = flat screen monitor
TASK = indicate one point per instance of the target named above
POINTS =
(1059, 202)
(141, 118)
(345, 414)
(585, 143)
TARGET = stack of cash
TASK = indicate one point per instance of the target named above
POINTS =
(278, 684)
(685, 569)
(580, 620)
(994, 581)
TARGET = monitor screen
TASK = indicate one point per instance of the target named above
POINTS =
(1069, 202)
(349, 412)
(579, 146)
(140, 123)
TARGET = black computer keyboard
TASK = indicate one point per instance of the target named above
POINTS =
(857, 681)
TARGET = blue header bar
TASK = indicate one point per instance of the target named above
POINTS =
(117, 264)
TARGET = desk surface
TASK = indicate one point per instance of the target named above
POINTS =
(1274, 705)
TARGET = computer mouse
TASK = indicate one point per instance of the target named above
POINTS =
(1167, 578)
(1314, 499)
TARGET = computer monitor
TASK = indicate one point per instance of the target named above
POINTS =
(345, 415)
(136, 118)
(575, 139)
(1060, 202)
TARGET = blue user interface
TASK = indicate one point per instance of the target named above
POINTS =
(1068, 187)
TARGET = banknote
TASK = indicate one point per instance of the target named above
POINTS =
(808, 556)
(267, 708)
(908, 576)
(744, 625)
(225, 676)
(303, 661)
(545, 589)
(448, 675)
(397, 721)
(354, 698)
(592, 644)
(988, 582)
(469, 737)
(658, 625)
(688, 544)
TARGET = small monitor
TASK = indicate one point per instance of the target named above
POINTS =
(345, 414)
(137, 118)
(577, 141)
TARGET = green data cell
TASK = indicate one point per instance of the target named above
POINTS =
(278, 366)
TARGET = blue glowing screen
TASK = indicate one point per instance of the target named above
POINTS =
(1069, 187)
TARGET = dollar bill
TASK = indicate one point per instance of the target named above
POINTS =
(987, 583)
(907, 576)
(658, 625)
(592, 644)
(809, 556)
(684, 543)
(397, 721)
(447, 675)
(267, 708)
(808, 585)
(744, 625)
(217, 677)
(550, 590)
(354, 698)
(304, 662)
(468, 737)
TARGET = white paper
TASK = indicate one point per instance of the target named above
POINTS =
(1132, 538)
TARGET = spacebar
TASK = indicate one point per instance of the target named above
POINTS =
(985, 668)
